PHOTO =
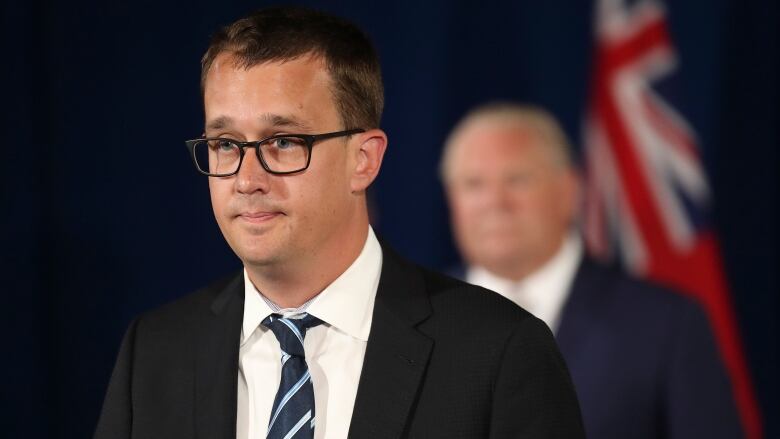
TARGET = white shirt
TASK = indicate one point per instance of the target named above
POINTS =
(543, 292)
(334, 350)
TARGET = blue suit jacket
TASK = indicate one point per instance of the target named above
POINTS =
(643, 360)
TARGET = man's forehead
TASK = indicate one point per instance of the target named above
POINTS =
(294, 77)
(497, 140)
(271, 94)
(487, 148)
(500, 131)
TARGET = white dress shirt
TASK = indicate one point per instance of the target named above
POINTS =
(544, 292)
(334, 350)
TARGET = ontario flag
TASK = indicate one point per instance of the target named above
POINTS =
(647, 195)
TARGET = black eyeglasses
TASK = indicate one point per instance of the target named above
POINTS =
(280, 154)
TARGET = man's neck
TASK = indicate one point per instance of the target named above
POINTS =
(518, 269)
(293, 283)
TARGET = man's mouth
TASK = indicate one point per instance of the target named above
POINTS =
(258, 217)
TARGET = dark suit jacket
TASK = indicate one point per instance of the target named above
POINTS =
(643, 360)
(444, 360)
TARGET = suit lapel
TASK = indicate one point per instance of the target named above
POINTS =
(393, 367)
(578, 319)
(396, 355)
(216, 364)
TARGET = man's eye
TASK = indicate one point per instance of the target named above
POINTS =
(221, 145)
(288, 142)
(473, 184)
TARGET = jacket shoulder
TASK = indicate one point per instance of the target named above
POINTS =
(461, 301)
(623, 293)
(189, 309)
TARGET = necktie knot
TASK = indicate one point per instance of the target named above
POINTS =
(290, 332)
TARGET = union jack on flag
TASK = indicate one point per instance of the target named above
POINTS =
(647, 196)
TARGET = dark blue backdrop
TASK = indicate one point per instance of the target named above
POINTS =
(103, 215)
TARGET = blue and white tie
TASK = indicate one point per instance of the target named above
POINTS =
(293, 413)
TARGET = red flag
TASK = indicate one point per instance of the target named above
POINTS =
(647, 192)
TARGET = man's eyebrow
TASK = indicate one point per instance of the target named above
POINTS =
(219, 123)
(274, 120)
(280, 121)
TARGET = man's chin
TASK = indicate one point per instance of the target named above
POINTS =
(259, 260)
(500, 247)
(256, 252)
(501, 254)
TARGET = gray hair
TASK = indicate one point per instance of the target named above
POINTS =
(509, 113)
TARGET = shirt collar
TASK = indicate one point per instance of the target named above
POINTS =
(544, 291)
(346, 304)
(255, 309)
(548, 287)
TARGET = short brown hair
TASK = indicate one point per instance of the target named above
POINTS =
(287, 33)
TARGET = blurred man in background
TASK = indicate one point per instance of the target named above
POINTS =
(643, 359)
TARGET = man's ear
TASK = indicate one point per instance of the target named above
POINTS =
(368, 158)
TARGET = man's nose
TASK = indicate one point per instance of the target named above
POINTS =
(252, 177)
(498, 196)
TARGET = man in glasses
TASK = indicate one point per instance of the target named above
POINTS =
(326, 332)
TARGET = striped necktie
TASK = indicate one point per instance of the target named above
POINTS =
(292, 415)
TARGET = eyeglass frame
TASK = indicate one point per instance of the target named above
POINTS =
(310, 139)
